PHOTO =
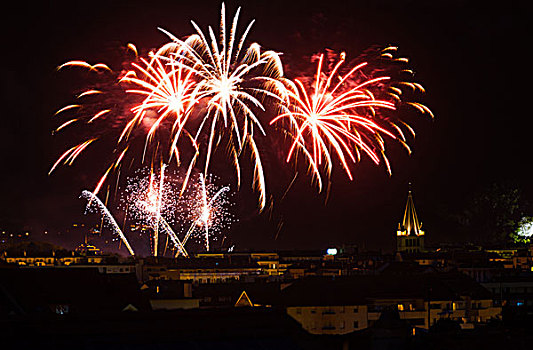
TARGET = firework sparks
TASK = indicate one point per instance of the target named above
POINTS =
(169, 90)
(209, 213)
(92, 198)
(339, 115)
(152, 199)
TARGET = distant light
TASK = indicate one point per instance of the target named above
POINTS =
(331, 251)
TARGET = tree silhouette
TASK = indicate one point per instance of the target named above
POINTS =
(494, 214)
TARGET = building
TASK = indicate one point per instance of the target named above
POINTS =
(345, 304)
(238, 294)
(170, 295)
(409, 236)
(513, 290)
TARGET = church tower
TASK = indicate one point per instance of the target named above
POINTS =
(410, 237)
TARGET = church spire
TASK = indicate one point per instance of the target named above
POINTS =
(410, 225)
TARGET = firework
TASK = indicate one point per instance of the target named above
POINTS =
(151, 199)
(168, 97)
(179, 245)
(219, 84)
(169, 90)
(208, 211)
(340, 115)
(231, 84)
(192, 95)
(151, 205)
(94, 200)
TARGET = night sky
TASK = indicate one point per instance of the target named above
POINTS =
(470, 56)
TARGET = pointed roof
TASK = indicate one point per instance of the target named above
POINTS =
(410, 224)
(244, 300)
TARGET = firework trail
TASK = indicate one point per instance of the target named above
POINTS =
(340, 115)
(158, 202)
(154, 100)
(93, 198)
(180, 245)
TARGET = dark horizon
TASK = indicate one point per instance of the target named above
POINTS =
(468, 56)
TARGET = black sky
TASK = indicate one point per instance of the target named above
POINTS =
(470, 56)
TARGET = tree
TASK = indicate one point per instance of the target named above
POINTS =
(494, 215)
(524, 232)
